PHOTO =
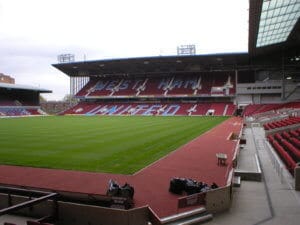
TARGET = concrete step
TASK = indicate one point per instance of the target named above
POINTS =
(195, 216)
(236, 181)
(199, 219)
(250, 174)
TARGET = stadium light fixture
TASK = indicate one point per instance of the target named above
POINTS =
(288, 78)
(277, 20)
(295, 58)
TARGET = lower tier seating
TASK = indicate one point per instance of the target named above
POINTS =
(146, 109)
(10, 111)
(282, 123)
(287, 146)
(255, 109)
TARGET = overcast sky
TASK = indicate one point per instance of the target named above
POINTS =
(34, 32)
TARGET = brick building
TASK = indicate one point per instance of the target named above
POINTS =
(6, 79)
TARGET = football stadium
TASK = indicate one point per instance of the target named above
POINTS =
(183, 139)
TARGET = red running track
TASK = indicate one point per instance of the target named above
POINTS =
(196, 159)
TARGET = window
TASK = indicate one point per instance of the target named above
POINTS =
(277, 17)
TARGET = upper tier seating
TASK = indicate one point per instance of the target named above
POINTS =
(87, 88)
(7, 103)
(190, 85)
(103, 87)
(155, 86)
(186, 86)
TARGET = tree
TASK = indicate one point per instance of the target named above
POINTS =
(70, 98)
(42, 99)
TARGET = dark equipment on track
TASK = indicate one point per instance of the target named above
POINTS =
(190, 186)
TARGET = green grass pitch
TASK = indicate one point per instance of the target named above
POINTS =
(113, 144)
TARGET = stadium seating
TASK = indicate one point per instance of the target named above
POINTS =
(155, 86)
(287, 145)
(87, 88)
(190, 85)
(267, 107)
(34, 111)
(187, 86)
(103, 87)
(163, 86)
(290, 163)
(12, 105)
(295, 142)
(294, 105)
(146, 109)
(281, 123)
(230, 109)
(218, 108)
(18, 111)
(288, 160)
(294, 133)
(14, 112)
(254, 109)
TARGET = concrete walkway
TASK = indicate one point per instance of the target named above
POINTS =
(20, 220)
(272, 201)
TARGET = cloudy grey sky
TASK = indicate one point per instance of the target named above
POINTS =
(34, 32)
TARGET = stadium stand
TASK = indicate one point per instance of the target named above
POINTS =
(20, 100)
(165, 95)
